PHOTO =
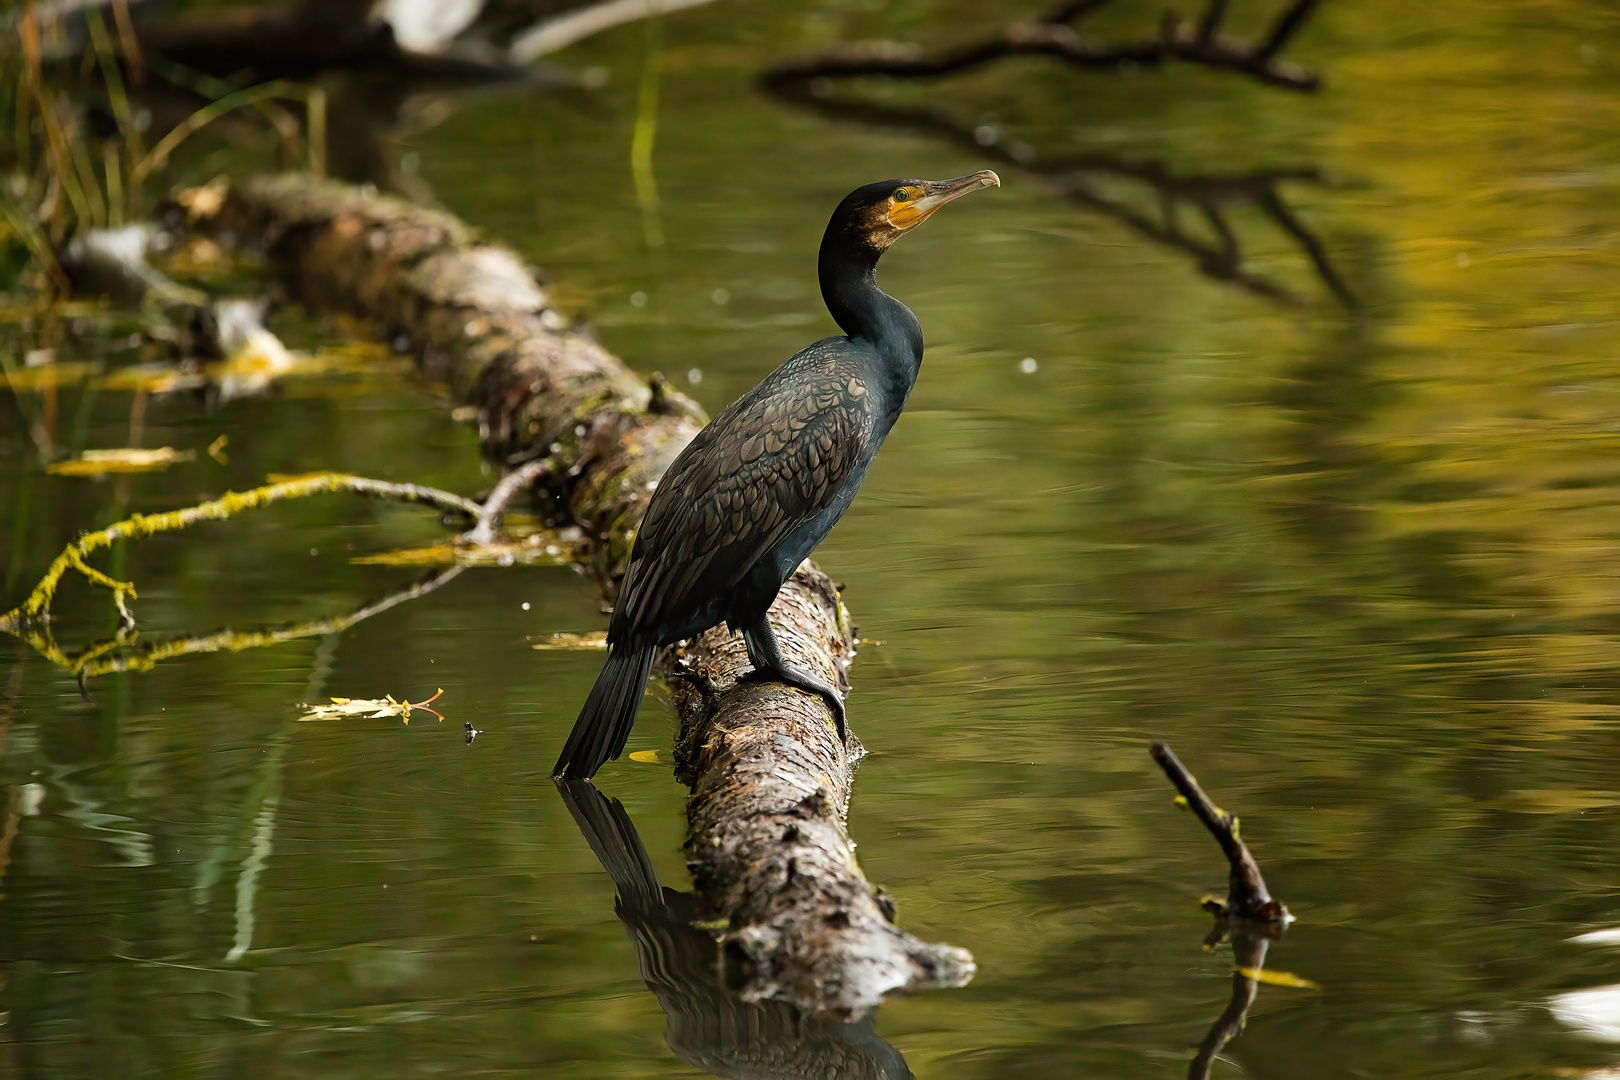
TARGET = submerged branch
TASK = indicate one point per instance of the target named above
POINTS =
(1247, 897)
(36, 609)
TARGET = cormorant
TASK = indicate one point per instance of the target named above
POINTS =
(762, 484)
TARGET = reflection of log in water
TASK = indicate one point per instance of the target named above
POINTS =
(686, 967)
(1169, 201)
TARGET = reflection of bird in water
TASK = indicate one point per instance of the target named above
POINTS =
(709, 1025)
(759, 488)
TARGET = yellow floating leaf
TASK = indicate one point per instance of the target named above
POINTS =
(596, 640)
(649, 757)
(216, 449)
(127, 460)
(1277, 978)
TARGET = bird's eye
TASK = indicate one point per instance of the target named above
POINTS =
(900, 195)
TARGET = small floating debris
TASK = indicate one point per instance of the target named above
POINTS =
(373, 707)
(596, 640)
(536, 549)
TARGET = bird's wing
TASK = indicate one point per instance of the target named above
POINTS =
(776, 457)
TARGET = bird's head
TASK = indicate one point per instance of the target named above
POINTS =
(879, 214)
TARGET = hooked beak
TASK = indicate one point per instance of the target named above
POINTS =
(940, 192)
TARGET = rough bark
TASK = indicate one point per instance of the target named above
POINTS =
(1247, 896)
(770, 780)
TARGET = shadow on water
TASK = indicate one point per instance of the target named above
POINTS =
(709, 1026)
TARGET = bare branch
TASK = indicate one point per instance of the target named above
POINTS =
(517, 480)
(1247, 897)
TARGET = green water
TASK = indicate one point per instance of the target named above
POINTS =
(1356, 566)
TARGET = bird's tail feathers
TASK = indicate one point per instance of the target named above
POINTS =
(610, 711)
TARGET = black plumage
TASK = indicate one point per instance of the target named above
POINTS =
(765, 481)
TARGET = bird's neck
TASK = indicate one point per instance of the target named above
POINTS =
(867, 313)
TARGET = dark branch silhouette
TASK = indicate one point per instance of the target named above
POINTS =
(1079, 177)
(1247, 897)
(1054, 35)
(710, 1026)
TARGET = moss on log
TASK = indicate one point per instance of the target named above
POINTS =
(770, 781)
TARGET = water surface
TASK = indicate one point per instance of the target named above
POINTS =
(1351, 556)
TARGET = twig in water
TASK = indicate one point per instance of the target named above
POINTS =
(1247, 897)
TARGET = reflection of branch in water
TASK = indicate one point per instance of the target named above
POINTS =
(95, 659)
(35, 611)
(31, 619)
(1077, 177)
(1054, 35)
(709, 1026)
(1249, 944)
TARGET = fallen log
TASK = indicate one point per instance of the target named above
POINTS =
(770, 780)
